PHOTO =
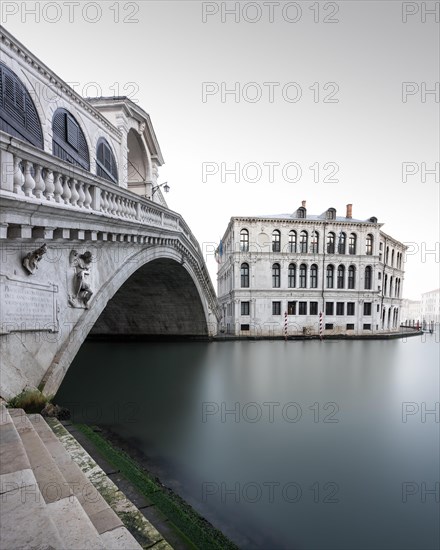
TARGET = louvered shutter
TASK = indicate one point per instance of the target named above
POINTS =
(69, 142)
(105, 162)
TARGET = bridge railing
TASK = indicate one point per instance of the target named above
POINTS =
(37, 176)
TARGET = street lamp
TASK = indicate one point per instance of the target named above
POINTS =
(165, 186)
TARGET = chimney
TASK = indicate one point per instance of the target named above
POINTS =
(349, 211)
(303, 204)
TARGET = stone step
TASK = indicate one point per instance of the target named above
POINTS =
(71, 521)
(25, 520)
(113, 534)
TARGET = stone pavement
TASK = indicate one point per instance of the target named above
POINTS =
(54, 495)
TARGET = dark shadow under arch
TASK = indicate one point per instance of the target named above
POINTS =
(159, 301)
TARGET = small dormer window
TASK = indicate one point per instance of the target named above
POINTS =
(331, 214)
(301, 212)
(373, 219)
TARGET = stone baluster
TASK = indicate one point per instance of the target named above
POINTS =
(81, 194)
(88, 196)
(75, 195)
(39, 182)
(104, 203)
(18, 176)
(58, 188)
(67, 193)
(48, 183)
(29, 182)
(113, 204)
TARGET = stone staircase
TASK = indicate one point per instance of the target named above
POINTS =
(47, 501)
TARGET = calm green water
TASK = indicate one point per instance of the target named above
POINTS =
(297, 445)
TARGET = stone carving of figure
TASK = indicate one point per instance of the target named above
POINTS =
(81, 283)
(30, 261)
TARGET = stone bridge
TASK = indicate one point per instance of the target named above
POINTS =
(80, 255)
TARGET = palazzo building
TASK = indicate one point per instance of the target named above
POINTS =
(278, 273)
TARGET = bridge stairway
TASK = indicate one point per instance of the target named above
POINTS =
(47, 501)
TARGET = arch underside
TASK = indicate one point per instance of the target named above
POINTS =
(159, 300)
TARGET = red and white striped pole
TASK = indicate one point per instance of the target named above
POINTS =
(285, 325)
(320, 324)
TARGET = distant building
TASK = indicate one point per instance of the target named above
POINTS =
(411, 312)
(291, 267)
(431, 306)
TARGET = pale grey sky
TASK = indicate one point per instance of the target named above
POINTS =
(337, 71)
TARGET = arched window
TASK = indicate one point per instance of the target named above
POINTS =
(303, 241)
(392, 257)
(291, 279)
(301, 212)
(244, 275)
(276, 241)
(331, 214)
(391, 287)
(368, 277)
(385, 285)
(387, 253)
(303, 276)
(276, 278)
(314, 276)
(244, 240)
(18, 115)
(351, 277)
(341, 277)
(69, 142)
(330, 276)
(105, 162)
(352, 244)
(369, 245)
(331, 243)
(314, 248)
(292, 241)
(342, 239)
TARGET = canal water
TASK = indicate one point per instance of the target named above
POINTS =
(282, 445)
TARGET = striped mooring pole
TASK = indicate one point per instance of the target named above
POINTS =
(320, 324)
(285, 325)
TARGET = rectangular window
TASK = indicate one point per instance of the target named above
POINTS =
(302, 308)
(367, 308)
(350, 326)
(313, 308)
(350, 308)
(377, 308)
(291, 308)
(244, 327)
(245, 308)
(329, 308)
(328, 326)
(276, 308)
(367, 327)
(340, 308)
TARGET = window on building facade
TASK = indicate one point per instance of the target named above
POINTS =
(391, 287)
(276, 241)
(314, 276)
(313, 308)
(350, 308)
(314, 245)
(342, 239)
(69, 143)
(387, 254)
(291, 308)
(331, 214)
(351, 277)
(340, 308)
(385, 285)
(303, 276)
(244, 240)
(369, 245)
(329, 308)
(301, 212)
(392, 257)
(244, 275)
(244, 328)
(105, 162)
(341, 276)
(329, 326)
(331, 243)
(245, 308)
(18, 115)
(302, 308)
(291, 276)
(350, 326)
(352, 244)
(292, 241)
(276, 276)
(367, 308)
(303, 241)
(276, 308)
(368, 277)
(367, 326)
(330, 276)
